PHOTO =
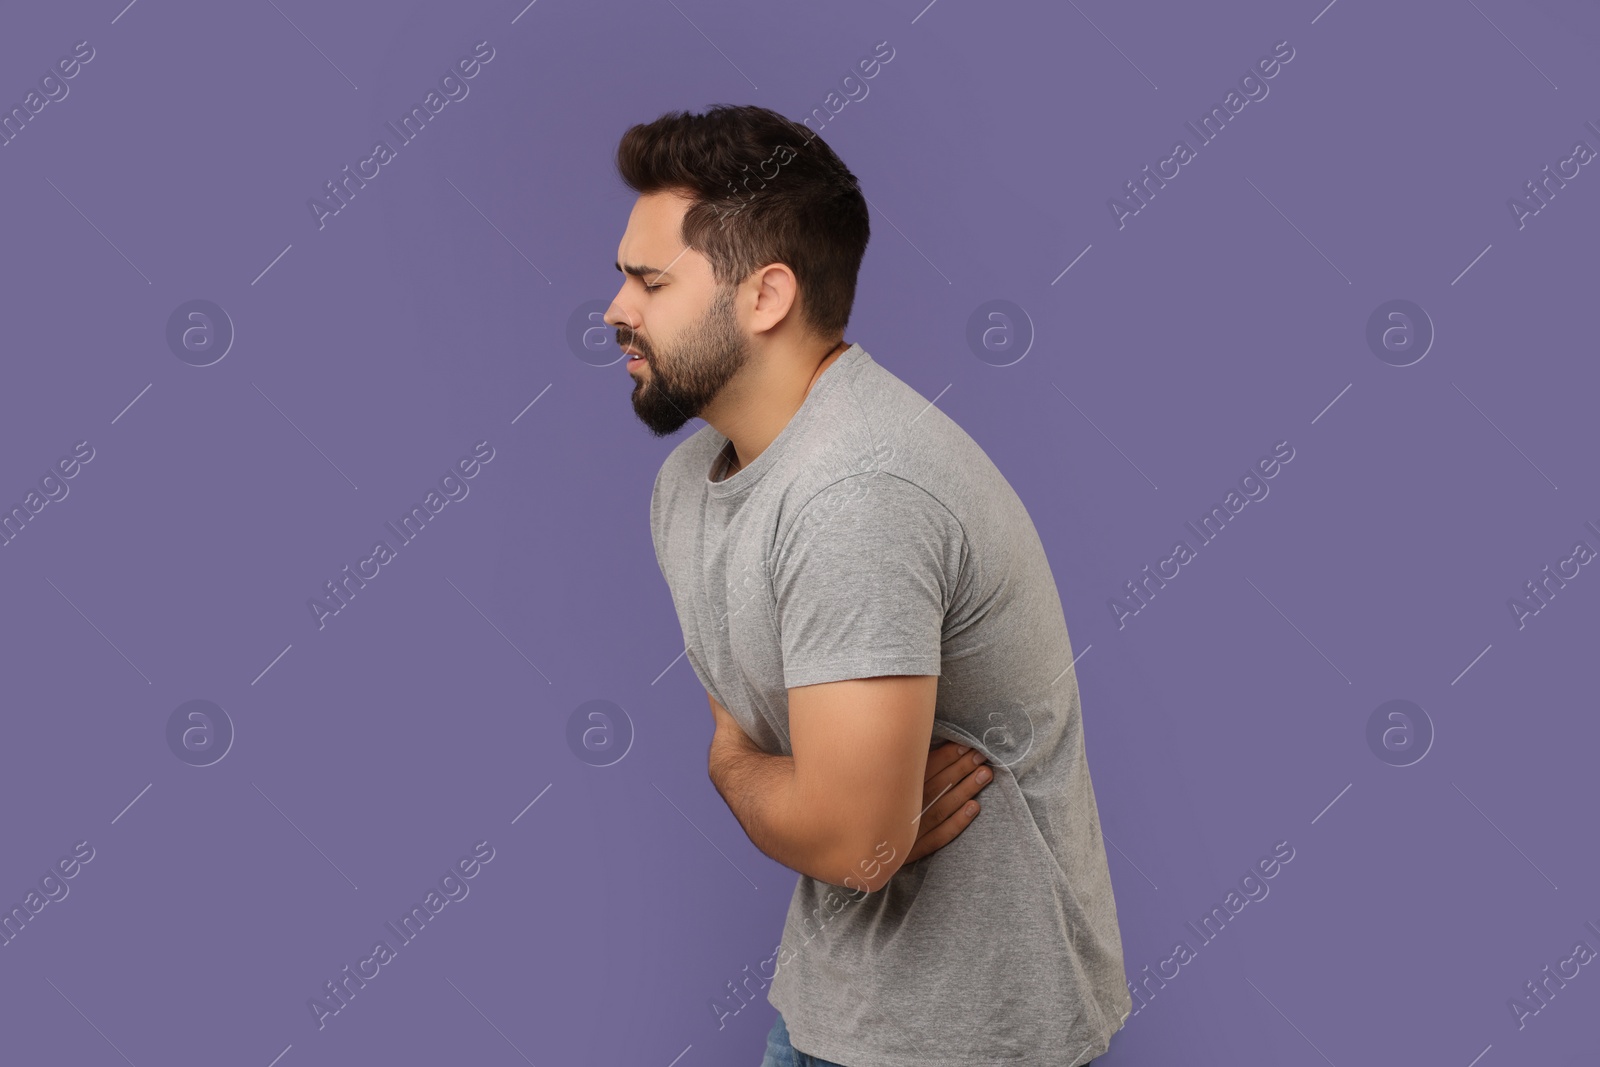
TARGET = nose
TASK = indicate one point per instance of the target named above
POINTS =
(616, 314)
(622, 319)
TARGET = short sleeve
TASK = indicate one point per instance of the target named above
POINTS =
(703, 675)
(862, 581)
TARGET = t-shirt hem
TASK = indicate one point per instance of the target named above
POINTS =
(848, 669)
(1049, 1056)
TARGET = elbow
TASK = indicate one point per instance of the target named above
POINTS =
(868, 866)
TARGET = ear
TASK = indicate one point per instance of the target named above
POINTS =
(777, 295)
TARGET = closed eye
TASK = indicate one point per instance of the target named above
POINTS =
(652, 288)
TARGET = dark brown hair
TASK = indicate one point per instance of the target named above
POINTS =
(765, 190)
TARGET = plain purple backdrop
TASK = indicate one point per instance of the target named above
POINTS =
(433, 311)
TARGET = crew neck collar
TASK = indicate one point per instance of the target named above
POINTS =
(751, 473)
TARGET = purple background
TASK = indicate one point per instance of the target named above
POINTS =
(430, 312)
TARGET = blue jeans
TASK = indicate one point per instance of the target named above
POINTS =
(782, 1054)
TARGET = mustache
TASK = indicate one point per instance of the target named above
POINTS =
(632, 340)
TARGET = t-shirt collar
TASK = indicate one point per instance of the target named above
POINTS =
(751, 473)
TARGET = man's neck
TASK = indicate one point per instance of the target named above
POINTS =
(764, 407)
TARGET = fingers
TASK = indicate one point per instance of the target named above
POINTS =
(953, 771)
(942, 757)
(945, 831)
(940, 804)
(956, 773)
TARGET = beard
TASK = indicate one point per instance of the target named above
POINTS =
(684, 377)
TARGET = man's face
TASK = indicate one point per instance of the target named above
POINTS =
(683, 325)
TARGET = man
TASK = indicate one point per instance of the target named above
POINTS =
(855, 578)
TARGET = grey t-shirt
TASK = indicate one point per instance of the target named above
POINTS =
(874, 537)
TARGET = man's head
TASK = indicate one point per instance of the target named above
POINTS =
(745, 242)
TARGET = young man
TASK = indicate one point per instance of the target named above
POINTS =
(855, 578)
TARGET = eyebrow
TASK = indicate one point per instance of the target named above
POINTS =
(639, 272)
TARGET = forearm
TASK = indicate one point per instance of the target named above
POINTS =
(760, 790)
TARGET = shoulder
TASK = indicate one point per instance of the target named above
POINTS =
(689, 458)
(877, 511)
(878, 454)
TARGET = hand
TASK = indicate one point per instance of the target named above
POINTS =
(954, 776)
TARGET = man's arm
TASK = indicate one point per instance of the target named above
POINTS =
(844, 808)
(861, 585)
(759, 789)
